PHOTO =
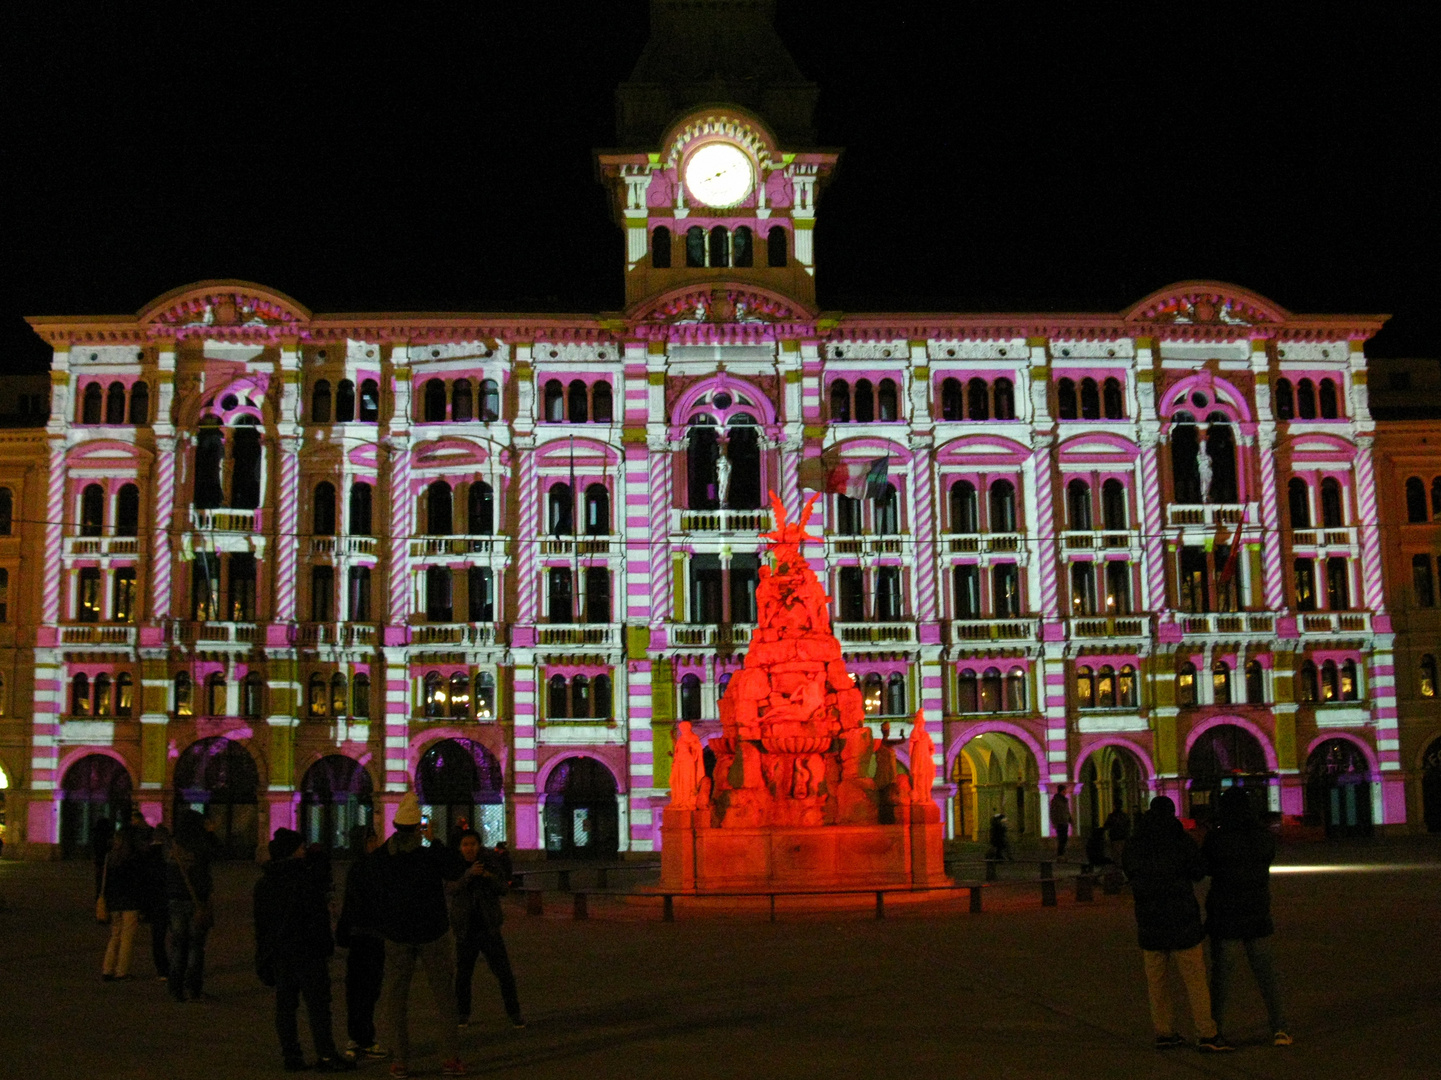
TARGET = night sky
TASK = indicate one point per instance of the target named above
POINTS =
(1006, 156)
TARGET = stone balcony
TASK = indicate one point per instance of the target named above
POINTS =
(343, 634)
(581, 545)
(1332, 623)
(875, 633)
(225, 519)
(1228, 624)
(1019, 629)
(711, 635)
(579, 635)
(1318, 543)
(747, 522)
(865, 547)
(97, 634)
(969, 543)
(218, 633)
(458, 634)
(1108, 628)
(1109, 540)
(424, 546)
(96, 546)
(344, 545)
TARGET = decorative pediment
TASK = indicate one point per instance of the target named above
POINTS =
(730, 123)
(106, 454)
(982, 450)
(1315, 448)
(1094, 447)
(720, 304)
(223, 305)
(1213, 303)
(450, 454)
(587, 454)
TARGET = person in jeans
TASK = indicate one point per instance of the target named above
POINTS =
(124, 896)
(357, 931)
(293, 947)
(1239, 851)
(1061, 820)
(476, 918)
(409, 882)
(156, 910)
(187, 889)
(1163, 864)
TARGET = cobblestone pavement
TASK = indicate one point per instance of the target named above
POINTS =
(1017, 991)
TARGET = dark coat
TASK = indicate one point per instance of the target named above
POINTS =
(124, 880)
(359, 911)
(1118, 826)
(1163, 863)
(190, 857)
(292, 914)
(1239, 862)
(410, 888)
(475, 910)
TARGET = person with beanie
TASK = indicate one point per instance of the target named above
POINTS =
(409, 879)
(1163, 864)
(293, 946)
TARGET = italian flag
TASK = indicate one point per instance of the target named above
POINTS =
(858, 479)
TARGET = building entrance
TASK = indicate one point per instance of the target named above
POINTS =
(460, 780)
(335, 805)
(582, 819)
(996, 773)
(94, 788)
(217, 777)
(1338, 789)
(1224, 756)
(1111, 778)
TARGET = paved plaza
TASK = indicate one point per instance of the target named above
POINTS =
(1016, 991)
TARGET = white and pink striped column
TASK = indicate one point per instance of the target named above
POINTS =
(398, 695)
(55, 515)
(527, 801)
(1152, 525)
(1043, 530)
(287, 529)
(1274, 583)
(42, 825)
(641, 756)
(402, 522)
(527, 587)
(162, 560)
(636, 531)
(662, 584)
(923, 530)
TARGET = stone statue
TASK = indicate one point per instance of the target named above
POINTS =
(885, 759)
(687, 768)
(1204, 470)
(923, 768)
(722, 477)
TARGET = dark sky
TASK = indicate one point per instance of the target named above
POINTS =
(1001, 156)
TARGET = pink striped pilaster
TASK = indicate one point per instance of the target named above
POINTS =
(1370, 525)
(402, 521)
(1044, 531)
(1275, 582)
(528, 586)
(790, 476)
(637, 534)
(1155, 541)
(397, 720)
(1056, 749)
(525, 728)
(287, 538)
(662, 588)
(54, 534)
(923, 529)
(160, 565)
(932, 691)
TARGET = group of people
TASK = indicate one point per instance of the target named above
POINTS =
(408, 903)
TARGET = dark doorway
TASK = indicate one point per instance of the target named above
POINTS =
(217, 777)
(1338, 789)
(335, 805)
(461, 779)
(582, 820)
(94, 787)
(1226, 756)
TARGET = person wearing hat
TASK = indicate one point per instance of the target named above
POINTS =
(293, 946)
(412, 915)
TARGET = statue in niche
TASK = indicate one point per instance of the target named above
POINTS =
(923, 769)
(723, 476)
(1204, 470)
(687, 768)
(885, 759)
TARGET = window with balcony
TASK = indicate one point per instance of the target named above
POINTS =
(1113, 505)
(245, 461)
(322, 594)
(241, 599)
(1186, 684)
(1083, 589)
(7, 511)
(1338, 583)
(359, 592)
(127, 511)
(1415, 500)
(87, 598)
(209, 460)
(92, 510)
(4, 598)
(1333, 514)
(361, 502)
(560, 597)
(1185, 448)
(1193, 580)
(438, 506)
(320, 403)
(205, 587)
(560, 510)
(702, 453)
(744, 577)
(888, 593)
(1005, 590)
(597, 510)
(597, 594)
(1422, 585)
(322, 512)
(1078, 505)
(887, 511)
(1118, 587)
(966, 580)
(851, 594)
(480, 509)
(480, 587)
(964, 507)
(1304, 583)
(439, 603)
(1002, 507)
(707, 590)
(1255, 683)
(345, 402)
(1298, 500)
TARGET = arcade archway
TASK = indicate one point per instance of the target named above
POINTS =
(460, 779)
(335, 804)
(1431, 787)
(1112, 778)
(582, 817)
(1224, 756)
(996, 773)
(1338, 788)
(217, 777)
(94, 788)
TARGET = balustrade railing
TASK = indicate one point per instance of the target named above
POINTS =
(97, 634)
(1335, 622)
(712, 634)
(876, 633)
(457, 545)
(102, 545)
(593, 635)
(1109, 626)
(1228, 623)
(1208, 514)
(998, 629)
(736, 521)
(456, 634)
(225, 519)
(344, 545)
(966, 543)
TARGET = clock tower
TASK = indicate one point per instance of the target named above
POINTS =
(719, 179)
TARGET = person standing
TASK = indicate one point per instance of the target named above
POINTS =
(123, 888)
(358, 932)
(157, 907)
(187, 894)
(1238, 852)
(410, 877)
(1061, 820)
(1163, 864)
(101, 834)
(1118, 831)
(1000, 838)
(293, 947)
(476, 918)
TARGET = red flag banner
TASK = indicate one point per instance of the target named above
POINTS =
(858, 479)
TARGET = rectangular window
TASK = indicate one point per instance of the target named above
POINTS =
(4, 599)
(1005, 590)
(87, 600)
(744, 578)
(852, 594)
(1193, 585)
(360, 594)
(1083, 589)
(124, 606)
(1305, 584)
(1118, 588)
(205, 587)
(242, 588)
(1227, 590)
(438, 604)
(706, 590)
(597, 594)
(1421, 581)
(561, 598)
(1338, 584)
(480, 585)
(888, 593)
(322, 593)
(967, 580)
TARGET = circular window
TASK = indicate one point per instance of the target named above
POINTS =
(839, 354)
(952, 352)
(1199, 400)
(601, 354)
(1003, 352)
(229, 401)
(95, 356)
(321, 354)
(434, 352)
(722, 400)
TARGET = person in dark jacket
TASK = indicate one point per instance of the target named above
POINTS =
(124, 897)
(1163, 864)
(358, 932)
(410, 877)
(157, 907)
(476, 918)
(187, 894)
(1000, 841)
(101, 834)
(1118, 831)
(293, 947)
(1239, 851)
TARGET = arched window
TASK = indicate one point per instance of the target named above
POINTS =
(93, 404)
(1220, 683)
(369, 401)
(743, 246)
(557, 698)
(124, 695)
(127, 511)
(438, 509)
(1118, 587)
(183, 705)
(434, 401)
(1255, 683)
(480, 584)
(360, 696)
(603, 699)
(1338, 583)
(339, 695)
(322, 515)
(848, 516)
(1350, 688)
(1415, 500)
(1306, 399)
(1186, 684)
(991, 688)
(1111, 400)
(317, 696)
(1328, 400)
(872, 690)
(435, 695)
(485, 696)
(460, 696)
(252, 690)
(1016, 690)
(361, 501)
(660, 248)
(92, 510)
(1221, 448)
(1090, 400)
(840, 402)
(480, 516)
(1003, 507)
(577, 403)
(1113, 504)
(215, 695)
(720, 242)
(776, 246)
(1333, 514)
(80, 695)
(695, 246)
(245, 461)
(1185, 448)
(1066, 400)
(140, 403)
(554, 401)
(690, 697)
(886, 400)
(1005, 396)
(865, 402)
(1298, 500)
(115, 403)
(1329, 689)
(1005, 590)
(597, 510)
(896, 694)
(1307, 689)
(1078, 505)
(1085, 687)
(1285, 400)
(1421, 581)
(489, 400)
(978, 400)
(600, 403)
(560, 506)
(102, 695)
(320, 403)
(1126, 688)
(1083, 589)
(965, 517)
(887, 513)
(702, 453)
(7, 511)
(462, 404)
(1436, 496)
(967, 692)
(580, 697)
(1106, 687)
(344, 402)
(953, 405)
(1428, 676)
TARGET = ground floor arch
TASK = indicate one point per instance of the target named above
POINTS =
(1223, 756)
(1111, 777)
(996, 773)
(581, 813)
(1338, 788)
(217, 777)
(459, 783)
(95, 789)
(1431, 786)
(336, 804)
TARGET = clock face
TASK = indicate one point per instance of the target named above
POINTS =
(719, 174)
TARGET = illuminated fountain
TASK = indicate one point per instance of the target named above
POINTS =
(802, 795)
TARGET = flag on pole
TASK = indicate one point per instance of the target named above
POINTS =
(1228, 570)
(863, 479)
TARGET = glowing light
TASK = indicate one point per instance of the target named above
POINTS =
(1357, 868)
